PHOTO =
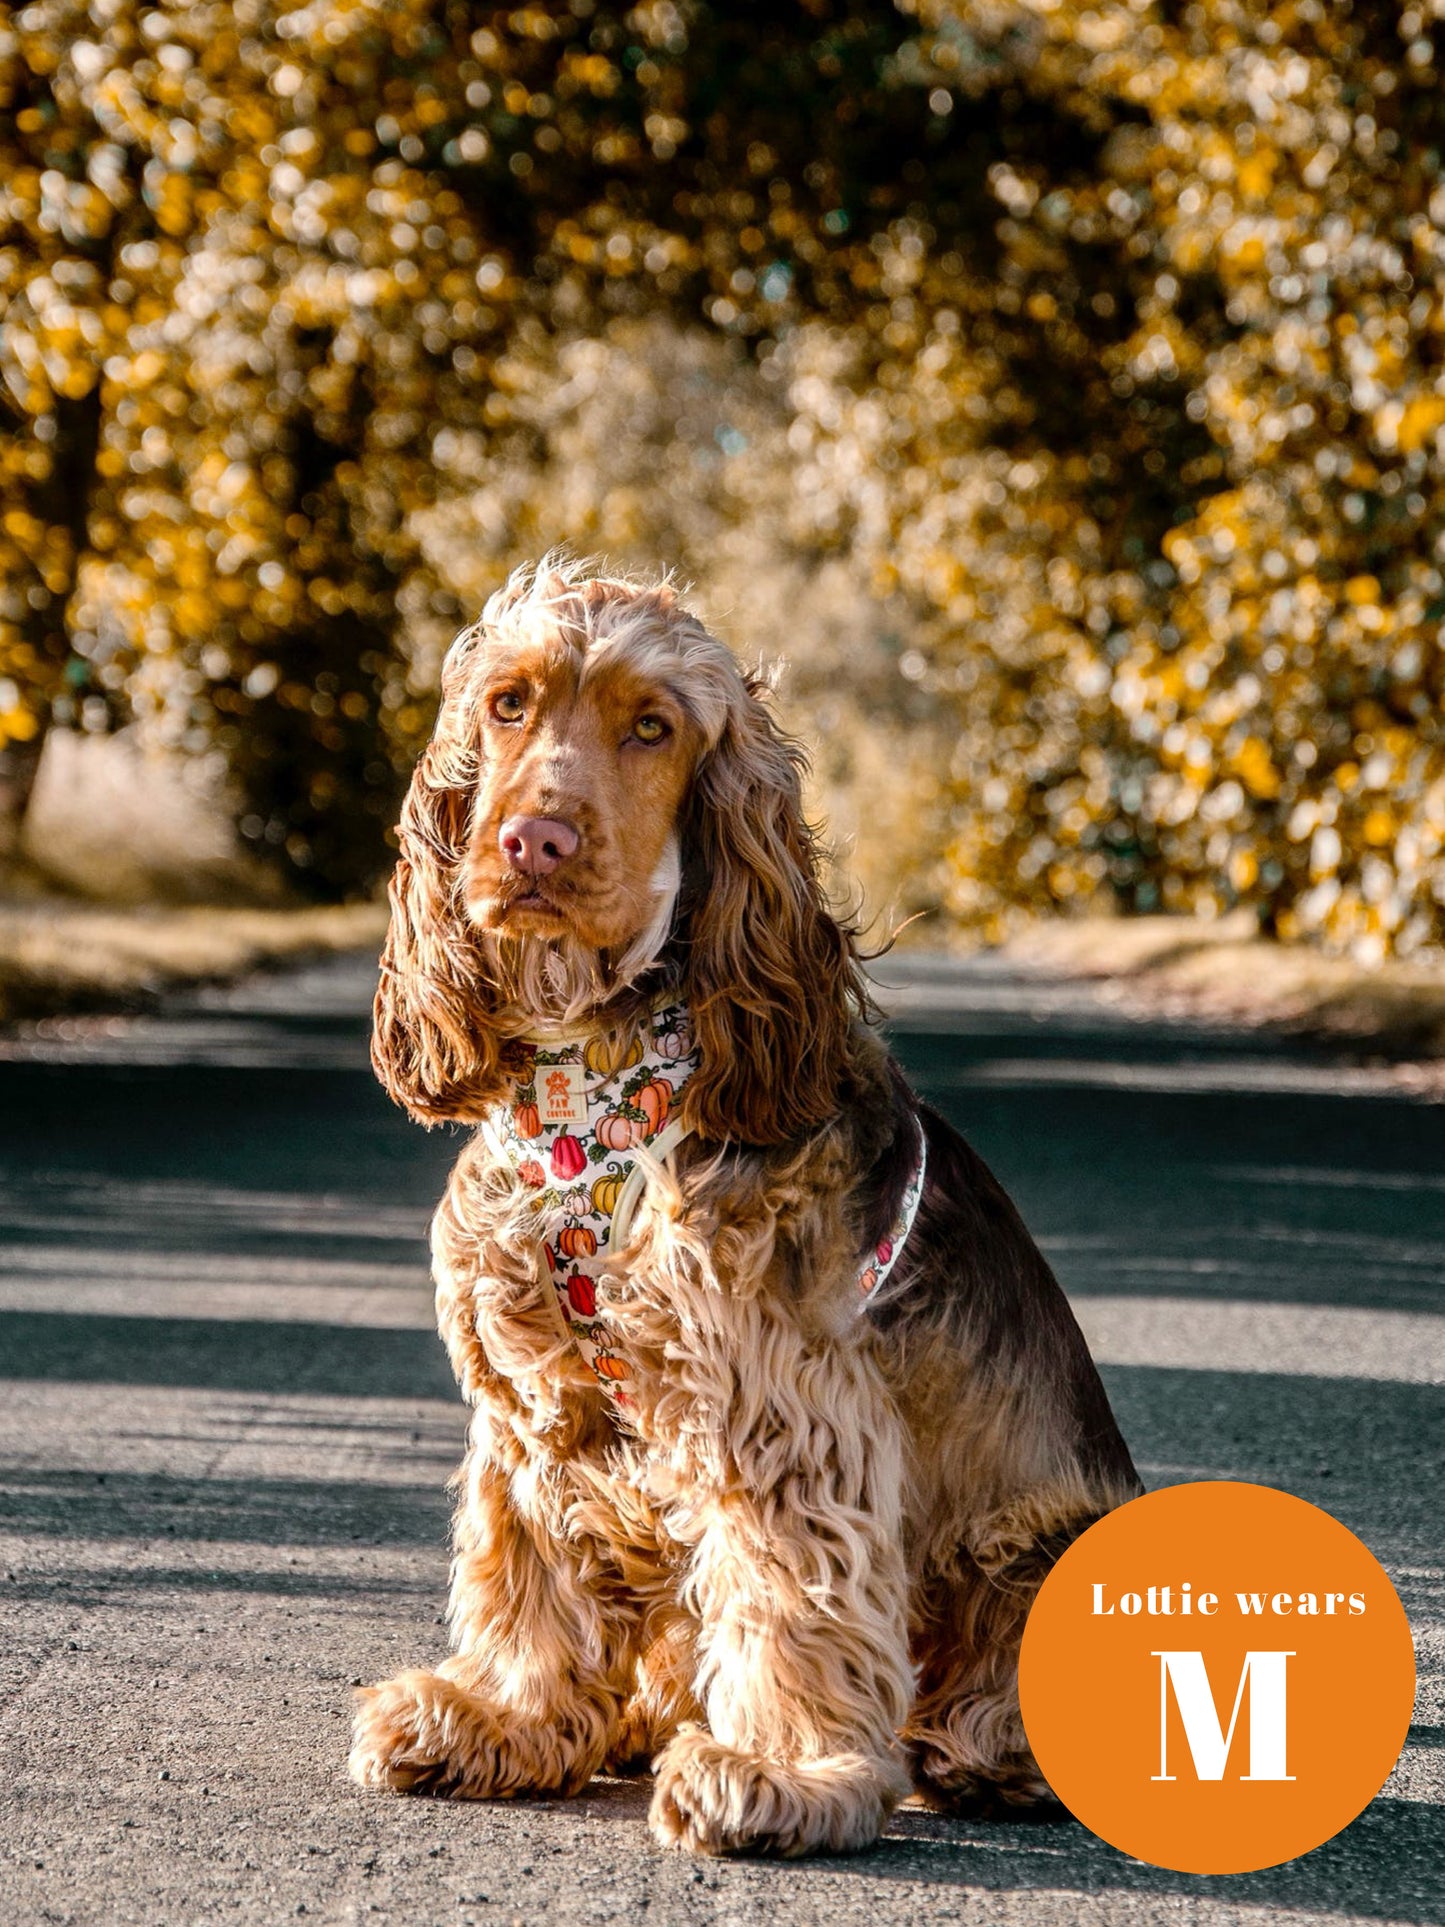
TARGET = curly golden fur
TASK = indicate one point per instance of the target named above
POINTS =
(795, 1582)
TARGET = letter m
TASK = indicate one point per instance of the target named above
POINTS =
(1208, 1741)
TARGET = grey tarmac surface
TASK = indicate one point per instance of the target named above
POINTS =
(225, 1428)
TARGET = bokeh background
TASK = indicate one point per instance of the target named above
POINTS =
(1058, 390)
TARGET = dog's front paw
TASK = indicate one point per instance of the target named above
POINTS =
(422, 1733)
(712, 1798)
(426, 1733)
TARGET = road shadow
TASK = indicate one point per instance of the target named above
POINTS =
(92, 1586)
(1261, 1196)
(1364, 1450)
(259, 1511)
(1368, 1452)
(1265, 1197)
(222, 1354)
(1386, 1866)
(257, 1128)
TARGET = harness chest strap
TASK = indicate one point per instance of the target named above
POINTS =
(580, 1111)
(889, 1249)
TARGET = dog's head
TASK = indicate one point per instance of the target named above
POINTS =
(606, 796)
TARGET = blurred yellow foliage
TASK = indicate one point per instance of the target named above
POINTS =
(1105, 340)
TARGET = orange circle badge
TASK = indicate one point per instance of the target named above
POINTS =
(1217, 1677)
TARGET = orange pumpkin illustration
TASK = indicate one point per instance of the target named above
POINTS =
(528, 1120)
(582, 1291)
(569, 1160)
(654, 1100)
(618, 1132)
(576, 1241)
(604, 1055)
(530, 1172)
(608, 1365)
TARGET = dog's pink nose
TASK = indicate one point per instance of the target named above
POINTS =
(536, 844)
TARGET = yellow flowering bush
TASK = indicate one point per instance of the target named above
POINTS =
(1099, 347)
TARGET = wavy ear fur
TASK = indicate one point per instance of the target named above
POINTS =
(770, 976)
(434, 1043)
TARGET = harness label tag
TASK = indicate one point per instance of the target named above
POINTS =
(562, 1093)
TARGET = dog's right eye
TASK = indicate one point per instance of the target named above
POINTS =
(508, 707)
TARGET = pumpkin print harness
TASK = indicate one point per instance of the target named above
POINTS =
(579, 1110)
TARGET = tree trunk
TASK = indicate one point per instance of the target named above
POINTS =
(19, 765)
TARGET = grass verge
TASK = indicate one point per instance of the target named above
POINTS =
(58, 956)
(1226, 970)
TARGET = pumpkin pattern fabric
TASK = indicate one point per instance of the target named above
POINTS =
(577, 1110)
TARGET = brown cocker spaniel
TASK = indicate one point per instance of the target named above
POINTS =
(780, 1416)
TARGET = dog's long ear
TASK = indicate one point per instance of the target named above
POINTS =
(770, 975)
(434, 1044)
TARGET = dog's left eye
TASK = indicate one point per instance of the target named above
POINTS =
(649, 729)
(508, 706)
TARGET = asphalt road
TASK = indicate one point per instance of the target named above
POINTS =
(225, 1426)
